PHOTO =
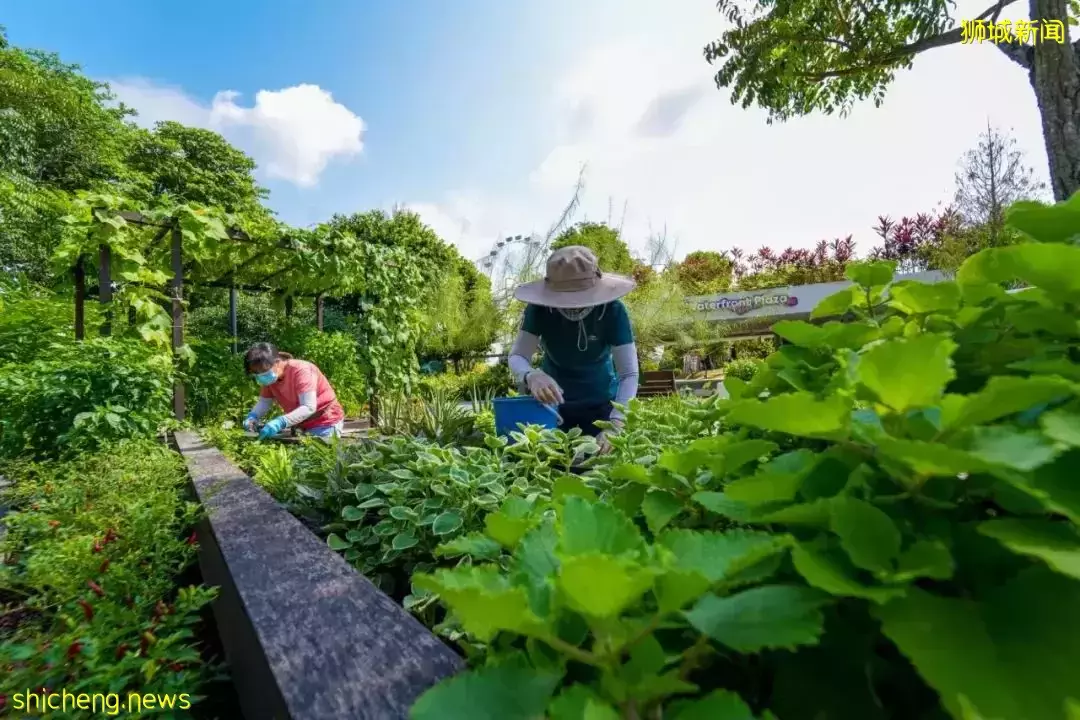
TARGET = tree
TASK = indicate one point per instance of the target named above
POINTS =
(794, 266)
(992, 176)
(193, 165)
(462, 318)
(611, 252)
(704, 272)
(914, 243)
(797, 57)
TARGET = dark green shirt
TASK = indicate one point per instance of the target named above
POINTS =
(585, 376)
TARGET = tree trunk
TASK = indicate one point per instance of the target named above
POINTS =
(1055, 77)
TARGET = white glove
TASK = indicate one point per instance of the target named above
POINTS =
(544, 388)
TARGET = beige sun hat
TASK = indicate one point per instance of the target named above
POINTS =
(574, 280)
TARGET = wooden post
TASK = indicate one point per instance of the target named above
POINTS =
(288, 306)
(233, 298)
(105, 288)
(80, 299)
(178, 315)
(319, 312)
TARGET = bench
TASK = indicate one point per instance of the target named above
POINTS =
(656, 382)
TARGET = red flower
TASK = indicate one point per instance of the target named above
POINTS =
(104, 565)
(121, 650)
(193, 538)
(96, 588)
(176, 667)
(87, 609)
(74, 649)
(110, 535)
(97, 546)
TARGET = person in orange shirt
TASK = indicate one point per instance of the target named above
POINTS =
(299, 387)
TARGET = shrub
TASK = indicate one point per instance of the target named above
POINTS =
(92, 551)
(881, 523)
(78, 397)
(741, 369)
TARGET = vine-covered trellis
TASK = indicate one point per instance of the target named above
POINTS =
(145, 260)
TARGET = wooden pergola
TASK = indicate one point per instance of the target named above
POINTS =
(171, 227)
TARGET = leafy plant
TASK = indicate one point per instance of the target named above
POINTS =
(90, 558)
(81, 396)
(741, 369)
(882, 523)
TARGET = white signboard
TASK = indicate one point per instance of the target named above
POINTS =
(780, 302)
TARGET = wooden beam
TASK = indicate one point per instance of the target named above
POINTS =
(233, 299)
(178, 316)
(80, 299)
(105, 288)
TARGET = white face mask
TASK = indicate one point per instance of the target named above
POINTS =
(575, 314)
(578, 315)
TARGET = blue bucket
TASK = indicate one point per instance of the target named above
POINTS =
(525, 410)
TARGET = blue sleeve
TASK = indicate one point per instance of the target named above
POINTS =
(531, 322)
(619, 329)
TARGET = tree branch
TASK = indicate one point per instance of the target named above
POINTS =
(1021, 54)
(949, 37)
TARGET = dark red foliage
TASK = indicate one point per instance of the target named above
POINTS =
(87, 609)
(909, 241)
(74, 649)
(96, 588)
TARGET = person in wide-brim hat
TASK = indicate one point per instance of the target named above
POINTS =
(589, 360)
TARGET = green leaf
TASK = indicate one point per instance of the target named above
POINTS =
(1055, 543)
(1006, 395)
(826, 571)
(628, 499)
(868, 535)
(832, 335)
(742, 452)
(717, 556)
(837, 304)
(797, 413)
(778, 480)
(1062, 426)
(772, 616)
(1045, 223)
(1008, 447)
(597, 528)
(870, 274)
(628, 472)
(404, 540)
(475, 545)
(908, 373)
(569, 485)
(447, 523)
(602, 586)
(659, 508)
(336, 542)
(508, 524)
(535, 566)
(721, 504)
(401, 512)
(1050, 267)
(578, 702)
(717, 705)
(483, 600)
(352, 513)
(915, 298)
(489, 693)
(925, 558)
(928, 458)
(1013, 654)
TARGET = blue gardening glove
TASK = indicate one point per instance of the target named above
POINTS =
(272, 428)
(250, 422)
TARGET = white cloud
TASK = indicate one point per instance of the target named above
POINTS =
(293, 133)
(643, 113)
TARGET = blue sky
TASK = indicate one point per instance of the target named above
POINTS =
(480, 113)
